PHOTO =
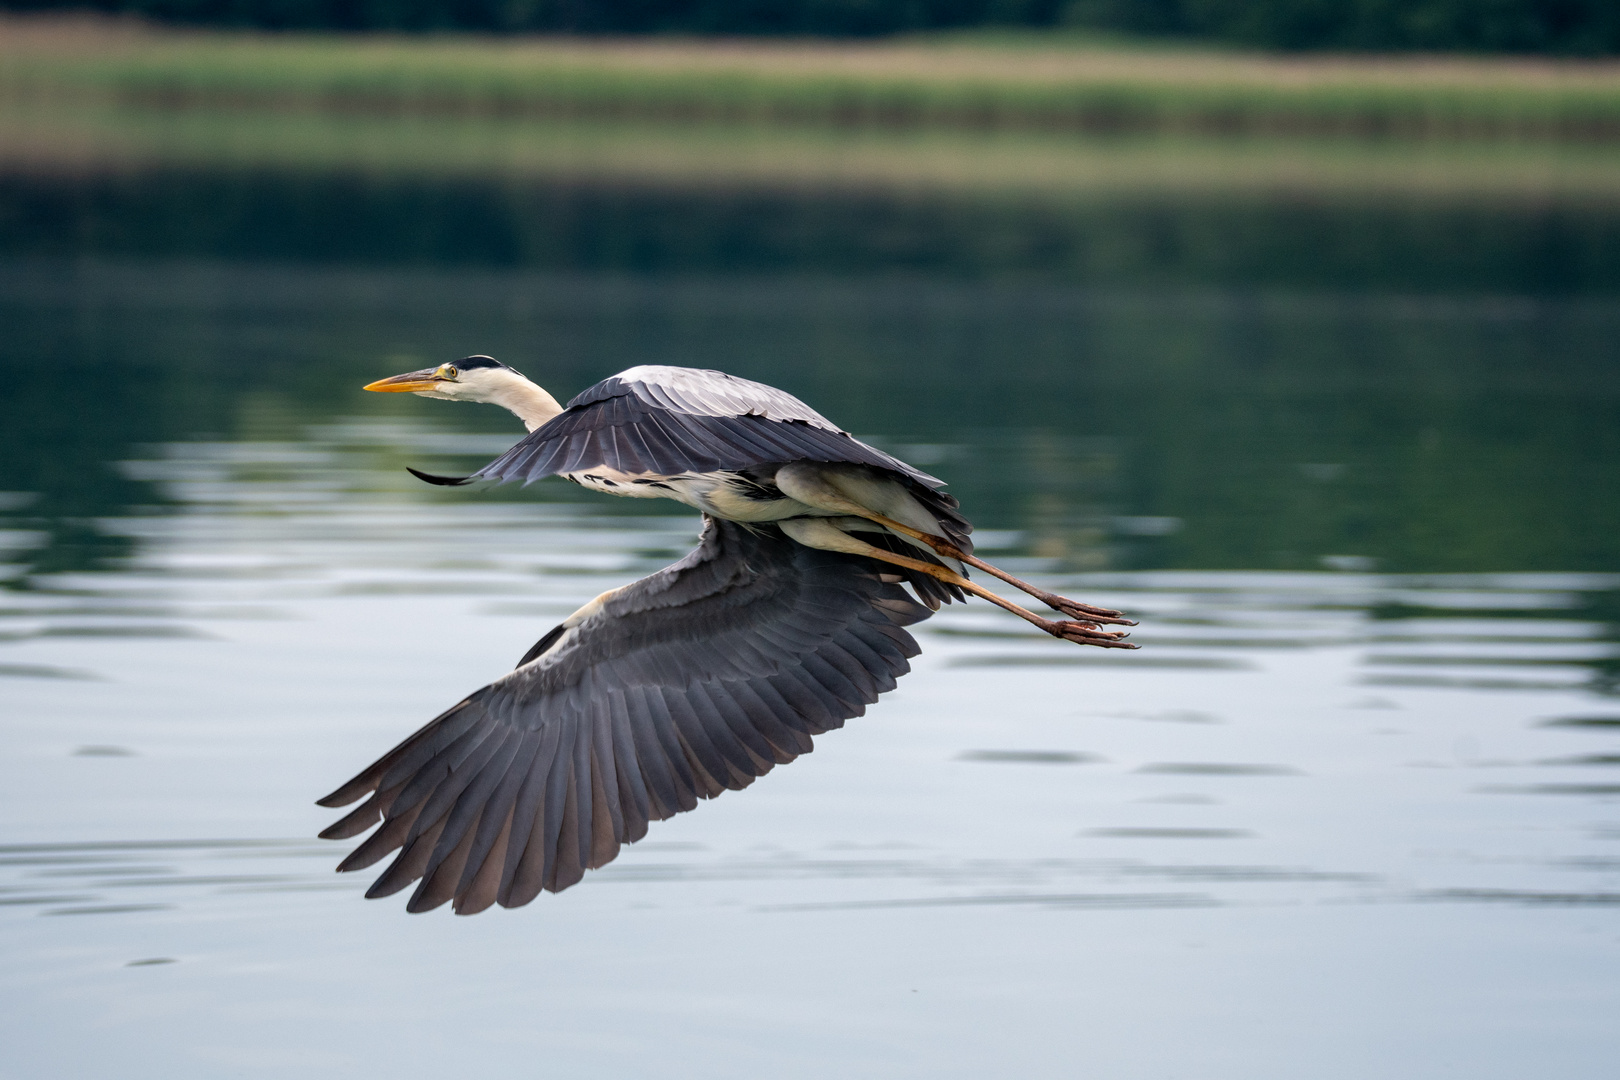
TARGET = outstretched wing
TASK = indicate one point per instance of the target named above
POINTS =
(670, 420)
(672, 689)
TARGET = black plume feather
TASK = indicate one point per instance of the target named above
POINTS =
(441, 481)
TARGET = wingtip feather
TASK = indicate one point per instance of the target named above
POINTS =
(354, 789)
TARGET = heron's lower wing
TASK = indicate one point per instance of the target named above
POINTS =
(672, 689)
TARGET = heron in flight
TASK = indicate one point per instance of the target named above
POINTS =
(787, 619)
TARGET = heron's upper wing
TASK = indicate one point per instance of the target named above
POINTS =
(669, 690)
(669, 420)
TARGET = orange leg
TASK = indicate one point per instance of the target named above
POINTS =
(1072, 608)
(1085, 632)
(817, 532)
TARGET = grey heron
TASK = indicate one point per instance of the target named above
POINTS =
(787, 619)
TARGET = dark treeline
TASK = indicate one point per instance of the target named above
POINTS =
(1588, 27)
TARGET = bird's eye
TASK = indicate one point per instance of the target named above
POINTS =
(448, 371)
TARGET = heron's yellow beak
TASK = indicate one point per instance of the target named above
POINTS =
(410, 382)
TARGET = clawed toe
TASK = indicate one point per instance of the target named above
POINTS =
(1083, 627)
(1087, 633)
(1074, 609)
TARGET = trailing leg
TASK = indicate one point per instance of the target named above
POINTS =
(885, 502)
(824, 534)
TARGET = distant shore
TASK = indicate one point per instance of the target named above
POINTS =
(964, 82)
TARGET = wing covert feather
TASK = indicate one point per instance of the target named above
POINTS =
(670, 421)
(695, 680)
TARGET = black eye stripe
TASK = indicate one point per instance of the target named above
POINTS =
(471, 362)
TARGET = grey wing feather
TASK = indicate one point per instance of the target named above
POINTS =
(669, 420)
(680, 686)
(704, 392)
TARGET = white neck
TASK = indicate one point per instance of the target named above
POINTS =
(522, 398)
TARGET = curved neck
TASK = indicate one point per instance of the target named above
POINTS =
(523, 399)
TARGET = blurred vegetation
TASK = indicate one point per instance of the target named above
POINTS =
(1568, 26)
(1154, 307)
(975, 84)
(105, 139)
(1589, 27)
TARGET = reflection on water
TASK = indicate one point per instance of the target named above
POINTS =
(1529, 246)
(270, 547)
(1361, 782)
(291, 606)
(1109, 429)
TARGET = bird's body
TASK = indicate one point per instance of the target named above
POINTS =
(782, 624)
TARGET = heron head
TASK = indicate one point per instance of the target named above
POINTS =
(476, 378)
(473, 378)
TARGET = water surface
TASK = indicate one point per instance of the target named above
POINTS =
(1354, 809)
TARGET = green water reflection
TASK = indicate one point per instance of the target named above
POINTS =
(1225, 383)
(1538, 244)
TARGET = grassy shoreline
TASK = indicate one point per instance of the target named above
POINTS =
(947, 83)
(76, 139)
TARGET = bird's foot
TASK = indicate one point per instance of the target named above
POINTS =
(1085, 613)
(1087, 633)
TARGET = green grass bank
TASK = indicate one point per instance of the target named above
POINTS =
(957, 82)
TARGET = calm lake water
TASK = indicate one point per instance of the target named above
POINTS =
(1353, 810)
